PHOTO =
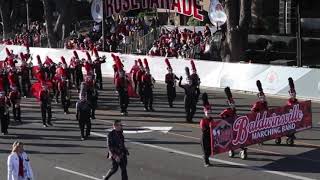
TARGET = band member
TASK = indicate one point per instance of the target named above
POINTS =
(38, 71)
(291, 101)
(92, 95)
(262, 104)
(4, 113)
(15, 99)
(97, 67)
(88, 66)
(205, 125)
(25, 78)
(114, 66)
(49, 68)
(190, 101)
(170, 80)
(122, 89)
(139, 75)
(64, 91)
(45, 105)
(147, 82)
(135, 68)
(77, 70)
(195, 79)
(59, 79)
(230, 115)
(72, 67)
(117, 151)
(13, 78)
(83, 115)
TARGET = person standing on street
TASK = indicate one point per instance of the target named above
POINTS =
(190, 101)
(4, 113)
(83, 115)
(205, 124)
(170, 80)
(117, 151)
(148, 84)
(19, 167)
(45, 105)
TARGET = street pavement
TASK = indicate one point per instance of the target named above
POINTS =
(57, 153)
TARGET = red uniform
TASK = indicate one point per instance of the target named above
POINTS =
(122, 83)
(228, 113)
(260, 106)
(292, 101)
(88, 68)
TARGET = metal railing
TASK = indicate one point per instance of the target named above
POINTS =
(138, 44)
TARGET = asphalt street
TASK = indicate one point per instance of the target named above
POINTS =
(171, 151)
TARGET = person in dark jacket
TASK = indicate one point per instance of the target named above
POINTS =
(117, 151)
(83, 116)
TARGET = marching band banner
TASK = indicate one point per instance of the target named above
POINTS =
(185, 7)
(256, 128)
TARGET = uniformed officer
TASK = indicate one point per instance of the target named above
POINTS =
(83, 115)
(117, 151)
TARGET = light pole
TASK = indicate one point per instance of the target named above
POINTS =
(299, 36)
(28, 20)
(103, 27)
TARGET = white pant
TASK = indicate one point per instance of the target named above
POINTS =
(22, 178)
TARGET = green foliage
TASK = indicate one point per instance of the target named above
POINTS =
(194, 22)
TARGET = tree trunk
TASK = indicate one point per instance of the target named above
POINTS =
(239, 17)
(48, 16)
(63, 22)
(5, 17)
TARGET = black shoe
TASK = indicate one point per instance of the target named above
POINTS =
(82, 139)
(93, 117)
(45, 125)
(146, 109)
(50, 124)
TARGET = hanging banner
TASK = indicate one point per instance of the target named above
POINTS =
(256, 128)
(96, 10)
(185, 7)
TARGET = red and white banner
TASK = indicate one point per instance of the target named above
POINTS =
(185, 7)
(255, 128)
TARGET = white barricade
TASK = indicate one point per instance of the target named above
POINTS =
(213, 74)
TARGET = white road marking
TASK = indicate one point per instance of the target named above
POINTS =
(140, 130)
(77, 173)
(213, 159)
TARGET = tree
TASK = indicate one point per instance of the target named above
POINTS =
(236, 32)
(57, 27)
(7, 9)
